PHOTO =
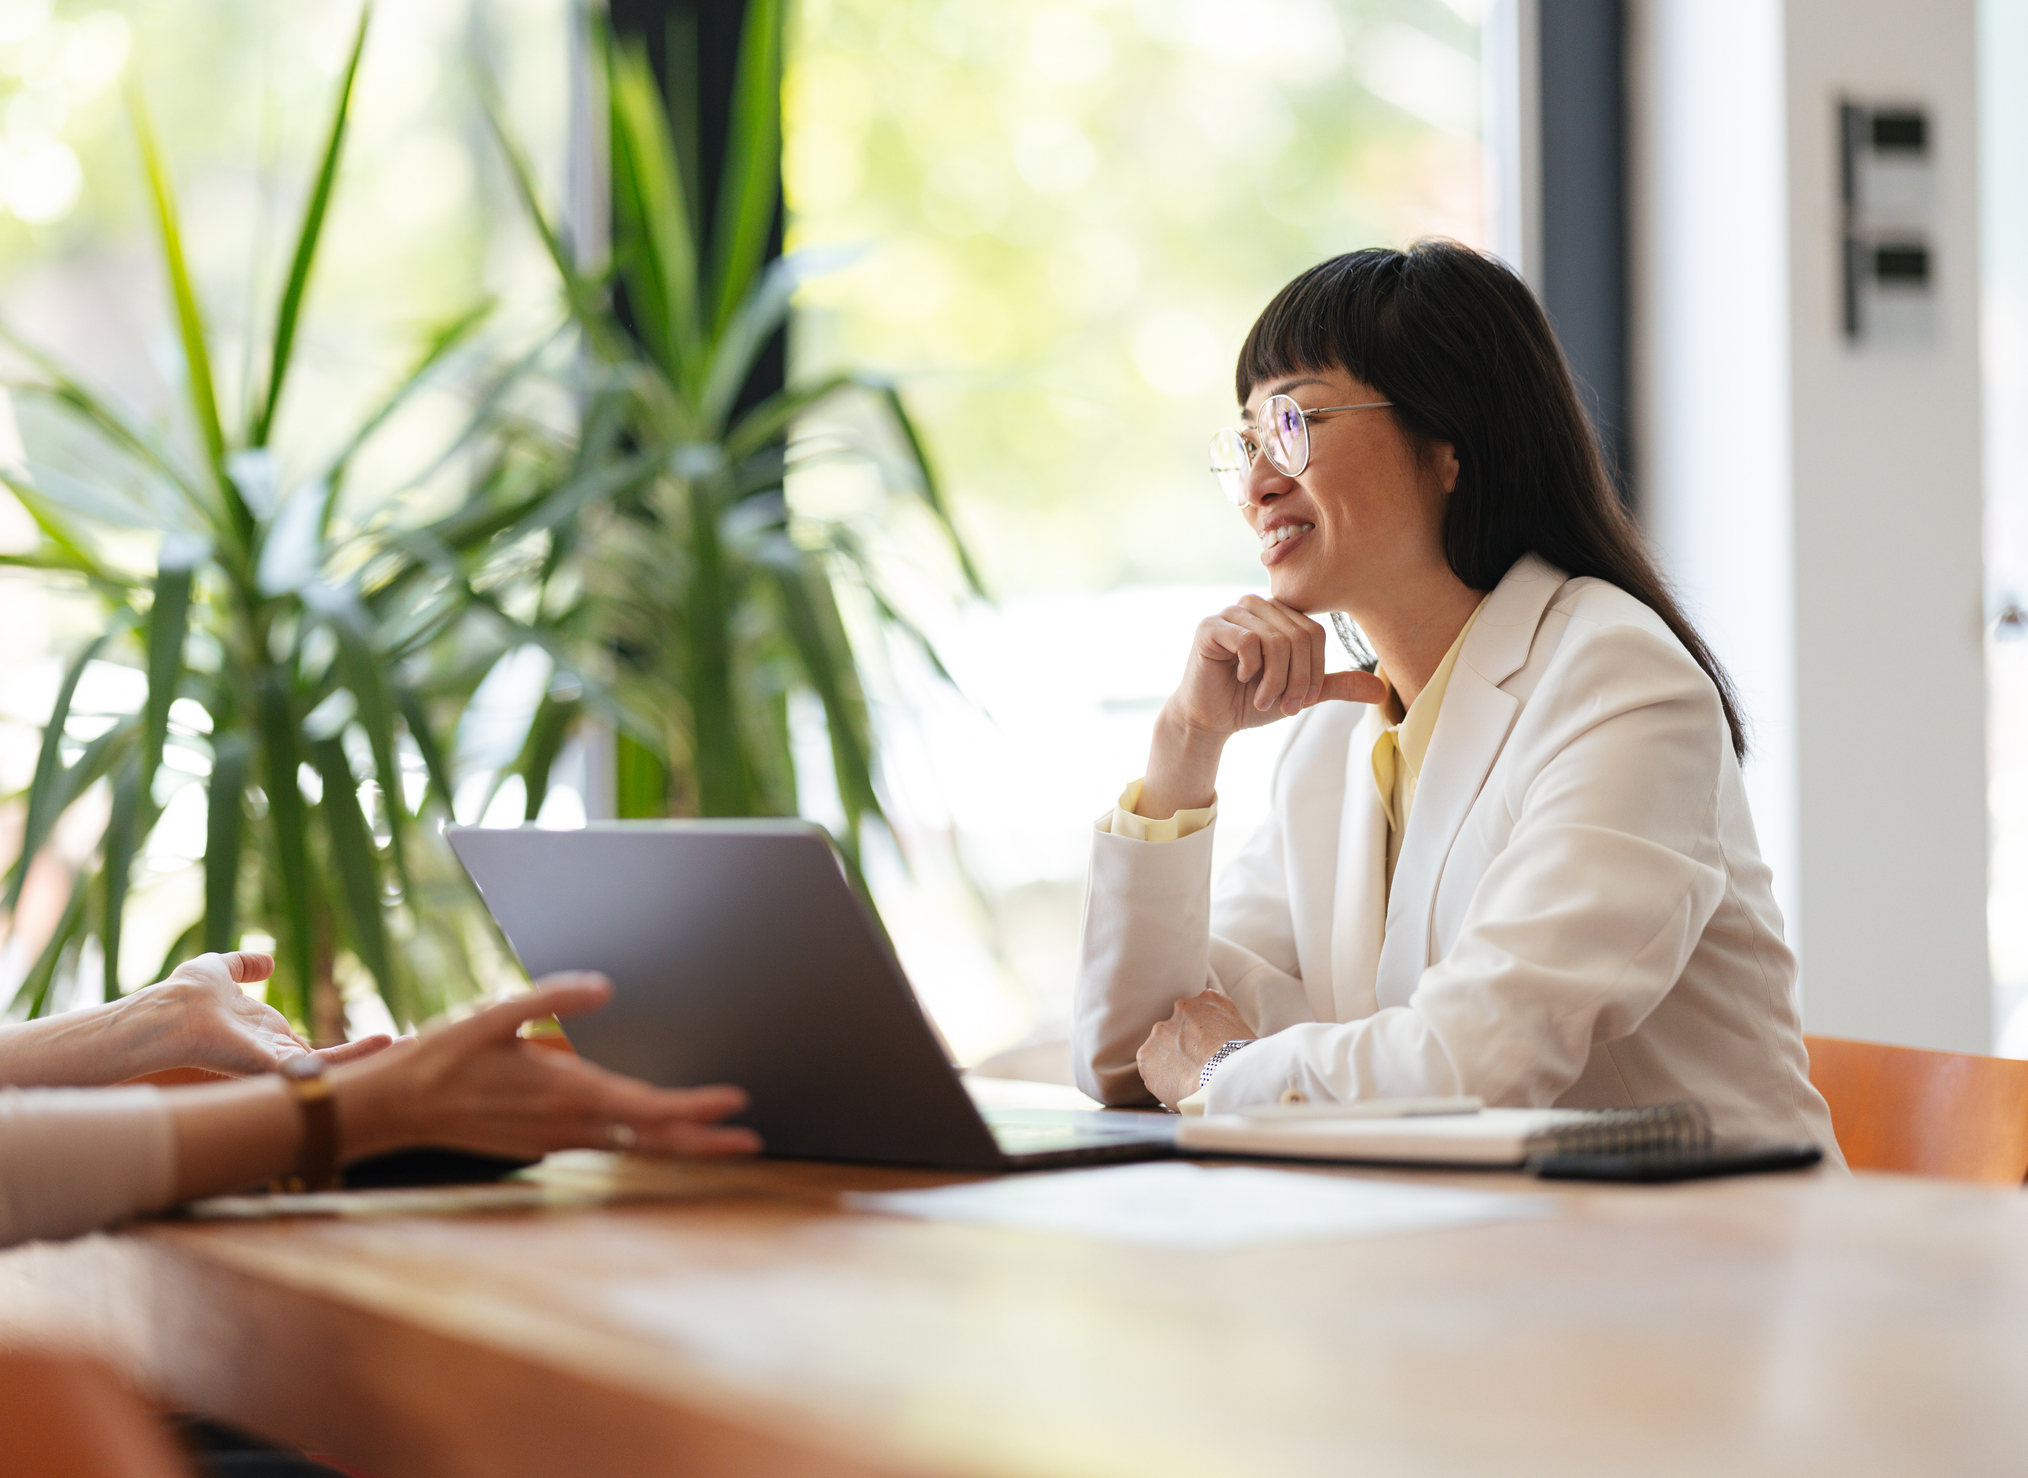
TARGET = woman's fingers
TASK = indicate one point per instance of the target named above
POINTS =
(1271, 676)
(567, 993)
(1292, 645)
(697, 1139)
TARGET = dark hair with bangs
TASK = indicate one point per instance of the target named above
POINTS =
(1466, 354)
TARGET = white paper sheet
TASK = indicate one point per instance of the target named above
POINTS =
(1201, 1208)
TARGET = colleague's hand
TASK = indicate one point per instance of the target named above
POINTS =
(1250, 664)
(1172, 1059)
(475, 1085)
(199, 1017)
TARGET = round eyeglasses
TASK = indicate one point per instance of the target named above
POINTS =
(1284, 432)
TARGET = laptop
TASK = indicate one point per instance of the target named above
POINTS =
(739, 953)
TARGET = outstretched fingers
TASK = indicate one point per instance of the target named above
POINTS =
(567, 993)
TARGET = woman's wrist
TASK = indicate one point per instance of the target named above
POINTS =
(1182, 767)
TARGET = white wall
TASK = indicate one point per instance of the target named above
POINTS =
(1820, 504)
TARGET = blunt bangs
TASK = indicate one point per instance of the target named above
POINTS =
(1460, 347)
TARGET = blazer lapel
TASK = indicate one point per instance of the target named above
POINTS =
(1358, 910)
(1471, 729)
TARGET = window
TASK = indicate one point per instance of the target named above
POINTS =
(1055, 223)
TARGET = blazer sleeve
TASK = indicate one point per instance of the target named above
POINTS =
(1579, 925)
(1153, 934)
(73, 1159)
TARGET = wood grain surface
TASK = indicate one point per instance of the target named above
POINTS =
(746, 1324)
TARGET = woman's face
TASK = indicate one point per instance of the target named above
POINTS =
(1365, 513)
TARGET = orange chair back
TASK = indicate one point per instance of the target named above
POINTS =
(1947, 1114)
(62, 1416)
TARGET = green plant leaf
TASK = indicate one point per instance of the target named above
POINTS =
(103, 413)
(363, 675)
(168, 628)
(750, 187)
(306, 240)
(184, 946)
(189, 319)
(67, 550)
(225, 838)
(417, 722)
(88, 500)
(358, 868)
(932, 491)
(769, 421)
(546, 733)
(292, 546)
(658, 257)
(34, 988)
(123, 833)
(288, 831)
(814, 626)
(759, 314)
(640, 780)
(441, 343)
(46, 790)
(582, 293)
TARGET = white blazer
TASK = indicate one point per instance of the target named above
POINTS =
(1580, 914)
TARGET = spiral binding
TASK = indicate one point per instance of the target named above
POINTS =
(1664, 1126)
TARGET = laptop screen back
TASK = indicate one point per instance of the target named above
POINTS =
(738, 954)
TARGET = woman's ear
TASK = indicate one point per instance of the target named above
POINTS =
(1443, 461)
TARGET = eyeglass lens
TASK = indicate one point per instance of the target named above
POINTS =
(1282, 433)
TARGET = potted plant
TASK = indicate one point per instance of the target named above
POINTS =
(700, 598)
(300, 666)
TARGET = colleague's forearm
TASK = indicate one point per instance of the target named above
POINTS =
(1182, 769)
(79, 1049)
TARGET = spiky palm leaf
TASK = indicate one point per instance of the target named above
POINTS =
(697, 599)
(306, 648)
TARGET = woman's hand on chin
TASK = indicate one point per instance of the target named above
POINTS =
(1172, 1059)
(1258, 661)
(1250, 664)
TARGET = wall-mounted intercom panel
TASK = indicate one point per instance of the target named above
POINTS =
(1888, 179)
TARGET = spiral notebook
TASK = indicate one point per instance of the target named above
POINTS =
(1670, 1141)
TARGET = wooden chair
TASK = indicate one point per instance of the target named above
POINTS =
(63, 1416)
(1946, 1114)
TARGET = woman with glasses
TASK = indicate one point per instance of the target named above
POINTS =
(1509, 854)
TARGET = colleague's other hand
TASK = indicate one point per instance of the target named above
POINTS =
(199, 1017)
(1258, 661)
(476, 1085)
(1173, 1057)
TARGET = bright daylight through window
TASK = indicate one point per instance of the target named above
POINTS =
(1048, 223)
(1053, 224)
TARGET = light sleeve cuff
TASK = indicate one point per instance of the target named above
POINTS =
(1124, 823)
(72, 1159)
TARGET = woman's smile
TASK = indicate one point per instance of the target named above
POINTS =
(1276, 539)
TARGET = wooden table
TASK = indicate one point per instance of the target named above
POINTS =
(1775, 1325)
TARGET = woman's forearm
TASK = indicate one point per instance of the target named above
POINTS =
(1182, 768)
(233, 1135)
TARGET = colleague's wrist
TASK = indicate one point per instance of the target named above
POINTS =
(151, 1030)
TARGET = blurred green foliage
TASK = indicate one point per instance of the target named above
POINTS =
(1076, 207)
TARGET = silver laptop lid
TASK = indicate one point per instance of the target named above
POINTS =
(739, 954)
